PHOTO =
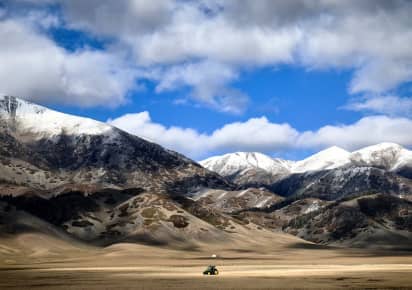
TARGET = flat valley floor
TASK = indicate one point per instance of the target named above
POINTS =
(36, 261)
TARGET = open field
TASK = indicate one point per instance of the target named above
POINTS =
(287, 262)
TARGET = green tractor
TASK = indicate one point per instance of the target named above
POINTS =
(211, 270)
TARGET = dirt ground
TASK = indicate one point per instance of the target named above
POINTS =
(33, 261)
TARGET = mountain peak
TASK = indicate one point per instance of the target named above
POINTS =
(381, 146)
(63, 150)
(334, 149)
(328, 158)
(233, 163)
(12, 105)
(43, 122)
(384, 155)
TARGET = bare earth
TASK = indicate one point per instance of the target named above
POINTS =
(273, 261)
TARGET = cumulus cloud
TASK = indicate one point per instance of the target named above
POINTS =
(125, 19)
(389, 105)
(162, 32)
(381, 76)
(314, 33)
(33, 66)
(185, 140)
(256, 134)
(367, 131)
(209, 81)
(173, 38)
(259, 134)
(216, 39)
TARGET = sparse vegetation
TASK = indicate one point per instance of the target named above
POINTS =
(179, 221)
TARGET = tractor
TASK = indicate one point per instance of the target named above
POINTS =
(211, 270)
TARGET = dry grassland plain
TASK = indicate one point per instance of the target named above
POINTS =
(273, 261)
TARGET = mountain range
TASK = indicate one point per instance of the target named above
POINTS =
(332, 197)
(254, 167)
(77, 178)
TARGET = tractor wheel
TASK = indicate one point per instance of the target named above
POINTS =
(216, 272)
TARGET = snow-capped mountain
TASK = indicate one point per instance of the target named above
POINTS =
(257, 168)
(230, 164)
(254, 168)
(389, 156)
(329, 158)
(40, 122)
(45, 149)
(248, 167)
(96, 183)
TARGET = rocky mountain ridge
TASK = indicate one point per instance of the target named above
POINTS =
(79, 178)
(257, 169)
(48, 150)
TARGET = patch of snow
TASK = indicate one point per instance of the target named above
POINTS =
(242, 193)
(222, 195)
(201, 192)
(314, 206)
(263, 202)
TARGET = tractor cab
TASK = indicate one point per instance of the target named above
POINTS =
(211, 270)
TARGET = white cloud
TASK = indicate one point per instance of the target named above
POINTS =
(381, 76)
(214, 38)
(256, 134)
(259, 134)
(165, 31)
(187, 141)
(367, 131)
(370, 37)
(315, 33)
(124, 19)
(389, 105)
(34, 67)
(209, 81)
(239, 34)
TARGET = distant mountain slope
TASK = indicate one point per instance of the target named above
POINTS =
(258, 169)
(248, 167)
(110, 216)
(371, 221)
(230, 164)
(44, 149)
(72, 176)
(334, 197)
(341, 182)
(232, 201)
(81, 179)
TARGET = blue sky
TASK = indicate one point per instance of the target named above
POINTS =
(210, 77)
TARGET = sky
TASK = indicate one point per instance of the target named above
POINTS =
(207, 77)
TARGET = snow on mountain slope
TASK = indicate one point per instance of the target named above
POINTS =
(232, 201)
(45, 149)
(389, 156)
(253, 168)
(233, 163)
(43, 122)
(329, 158)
